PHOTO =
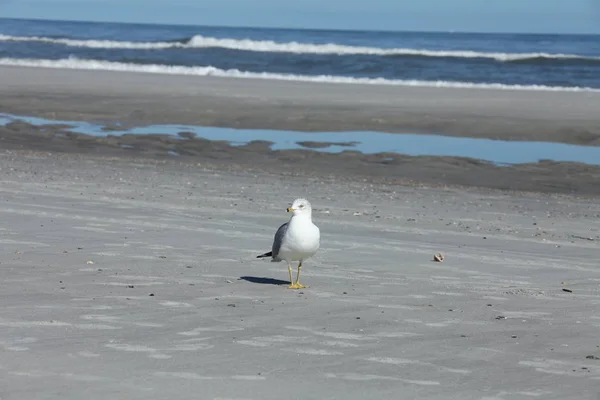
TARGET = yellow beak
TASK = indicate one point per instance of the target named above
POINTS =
(290, 209)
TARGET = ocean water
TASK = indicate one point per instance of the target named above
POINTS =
(509, 61)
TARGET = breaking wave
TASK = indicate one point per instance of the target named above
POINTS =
(200, 41)
(90, 64)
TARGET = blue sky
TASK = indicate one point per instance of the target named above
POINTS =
(553, 16)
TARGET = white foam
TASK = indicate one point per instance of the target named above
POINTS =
(270, 46)
(93, 44)
(90, 64)
(332, 48)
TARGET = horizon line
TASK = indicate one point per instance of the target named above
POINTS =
(451, 31)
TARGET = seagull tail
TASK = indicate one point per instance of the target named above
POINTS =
(269, 254)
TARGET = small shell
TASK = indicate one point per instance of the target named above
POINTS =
(439, 257)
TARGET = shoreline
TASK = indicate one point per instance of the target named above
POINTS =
(123, 100)
(140, 99)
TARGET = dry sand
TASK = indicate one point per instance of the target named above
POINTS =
(132, 279)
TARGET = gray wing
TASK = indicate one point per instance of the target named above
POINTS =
(278, 241)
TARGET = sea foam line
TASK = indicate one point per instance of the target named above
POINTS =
(90, 64)
(267, 46)
(93, 43)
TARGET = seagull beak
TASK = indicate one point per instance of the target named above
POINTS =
(290, 209)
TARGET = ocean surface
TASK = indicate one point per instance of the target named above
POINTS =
(504, 61)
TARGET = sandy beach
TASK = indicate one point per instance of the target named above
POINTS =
(136, 279)
(144, 98)
(128, 273)
(137, 99)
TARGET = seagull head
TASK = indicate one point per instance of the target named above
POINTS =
(300, 207)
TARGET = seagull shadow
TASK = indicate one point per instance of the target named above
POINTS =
(264, 281)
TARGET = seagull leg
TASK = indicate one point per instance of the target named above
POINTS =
(290, 270)
(297, 284)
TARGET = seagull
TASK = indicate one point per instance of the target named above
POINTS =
(296, 240)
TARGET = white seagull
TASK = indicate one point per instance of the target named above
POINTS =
(296, 240)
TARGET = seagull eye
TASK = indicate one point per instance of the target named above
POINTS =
(301, 206)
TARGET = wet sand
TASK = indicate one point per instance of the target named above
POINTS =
(143, 99)
(120, 99)
(257, 157)
(137, 279)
